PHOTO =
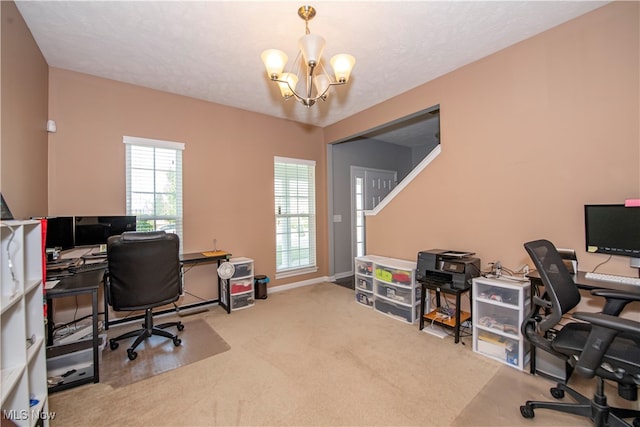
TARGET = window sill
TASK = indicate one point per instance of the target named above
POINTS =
(295, 272)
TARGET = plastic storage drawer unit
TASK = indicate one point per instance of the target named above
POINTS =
(397, 294)
(397, 311)
(240, 286)
(244, 267)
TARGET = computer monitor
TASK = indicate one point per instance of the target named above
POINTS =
(95, 230)
(59, 232)
(613, 229)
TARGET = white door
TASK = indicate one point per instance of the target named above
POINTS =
(378, 183)
(368, 188)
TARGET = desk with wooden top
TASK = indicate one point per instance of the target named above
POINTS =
(189, 259)
(195, 258)
(88, 282)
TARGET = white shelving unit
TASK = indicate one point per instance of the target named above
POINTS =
(389, 286)
(22, 342)
(499, 307)
(241, 284)
(364, 279)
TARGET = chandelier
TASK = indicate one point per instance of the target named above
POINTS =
(307, 64)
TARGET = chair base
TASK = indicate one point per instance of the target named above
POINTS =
(148, 329)
(596, 409)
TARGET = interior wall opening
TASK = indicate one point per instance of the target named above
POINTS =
(397, 148)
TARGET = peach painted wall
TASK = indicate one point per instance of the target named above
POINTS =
(23, 135)
(529, 135)
(227, 163)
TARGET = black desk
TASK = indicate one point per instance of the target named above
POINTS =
(195, 258)
(78, 284)
(189, 259)
(582, 283)
(444, 288)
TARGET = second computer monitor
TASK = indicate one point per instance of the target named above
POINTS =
(59, 232)
(95, 230)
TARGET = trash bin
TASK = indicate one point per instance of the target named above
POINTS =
(260, 284)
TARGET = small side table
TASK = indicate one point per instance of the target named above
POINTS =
(434, 315)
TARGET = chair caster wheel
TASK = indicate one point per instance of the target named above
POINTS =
(113, 344)
(180, 326)
(131, 354)
(526, 411)
(557, 393)
(177, 341)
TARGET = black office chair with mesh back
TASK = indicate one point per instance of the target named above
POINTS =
(602, 345)
(143, 273)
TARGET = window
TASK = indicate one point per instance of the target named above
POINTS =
(295, 209)
(154, 184)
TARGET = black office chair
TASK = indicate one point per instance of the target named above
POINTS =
(603, 345)
(143, 273)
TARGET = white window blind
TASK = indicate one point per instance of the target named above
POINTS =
(295, 212)
(154, 184)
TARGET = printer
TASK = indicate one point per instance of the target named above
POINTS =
(454, 268)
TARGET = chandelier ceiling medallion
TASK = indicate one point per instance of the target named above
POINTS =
(316, 79)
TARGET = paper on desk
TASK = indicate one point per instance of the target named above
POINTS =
(50, 284)
(214, 253)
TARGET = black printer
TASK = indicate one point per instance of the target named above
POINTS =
(455, 268)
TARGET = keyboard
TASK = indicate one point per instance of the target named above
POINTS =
(612, 278)
(93, 266)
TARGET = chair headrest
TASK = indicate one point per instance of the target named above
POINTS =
(143, 235)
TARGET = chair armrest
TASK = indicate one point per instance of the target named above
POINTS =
(604, 329)
(610, 322)
(616, 300)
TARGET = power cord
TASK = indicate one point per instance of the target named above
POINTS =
(16, 284)
(603, 262)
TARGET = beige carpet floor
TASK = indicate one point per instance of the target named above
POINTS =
(311, 356)
(158, 354)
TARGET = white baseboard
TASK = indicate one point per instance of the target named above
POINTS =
(338, 276)
(299, 284)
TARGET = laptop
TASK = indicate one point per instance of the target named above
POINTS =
(5, 211)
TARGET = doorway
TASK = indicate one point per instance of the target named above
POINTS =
(368, 188)
(405, 145)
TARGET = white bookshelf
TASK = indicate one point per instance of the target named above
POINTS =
(22, 342)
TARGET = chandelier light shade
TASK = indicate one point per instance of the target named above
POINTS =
(317, 81)
(274, 60)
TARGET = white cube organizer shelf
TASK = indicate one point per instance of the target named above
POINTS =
(388, 285)
(22, 341)
(499, 307)
(241, 283)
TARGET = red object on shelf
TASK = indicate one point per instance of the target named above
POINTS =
(401, 278)
(236, 288)
(43, 228)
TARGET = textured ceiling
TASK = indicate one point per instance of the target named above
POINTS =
(211, 49)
